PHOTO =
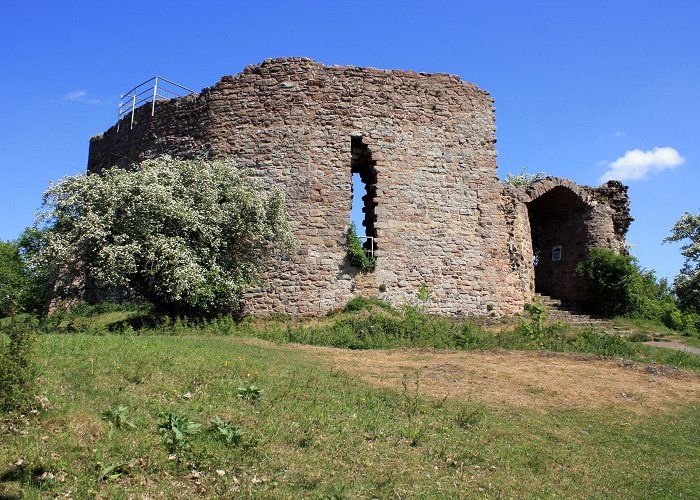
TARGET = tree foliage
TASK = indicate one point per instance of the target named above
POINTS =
(13, 278)
(188, 235)
(687, 283)
(23, 287)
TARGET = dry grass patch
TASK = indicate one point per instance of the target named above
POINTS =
(539, 380)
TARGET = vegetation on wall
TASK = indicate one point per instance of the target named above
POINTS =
(523, 178)
(357, 255)
(187, 235)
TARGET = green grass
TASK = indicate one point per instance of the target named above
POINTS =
(642, 325)
(312, 432)
(691, 341)
(371, 324)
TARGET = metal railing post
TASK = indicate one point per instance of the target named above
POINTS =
(119, 115)
(155, 93)
(133, 108)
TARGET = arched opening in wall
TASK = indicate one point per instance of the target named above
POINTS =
(364, 189)
(559, 242)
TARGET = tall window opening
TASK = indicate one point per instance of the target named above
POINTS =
(364, 189)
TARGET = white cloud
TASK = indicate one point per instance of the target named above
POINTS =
(76, 95)
(637, 164)
(82, 96)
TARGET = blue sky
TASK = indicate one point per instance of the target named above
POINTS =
(578, 84)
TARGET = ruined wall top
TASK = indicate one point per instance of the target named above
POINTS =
(612, 193)
(298, 92)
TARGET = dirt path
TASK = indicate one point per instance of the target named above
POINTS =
(674, 345)
(540, 380)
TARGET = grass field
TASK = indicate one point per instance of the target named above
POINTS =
(298, 421)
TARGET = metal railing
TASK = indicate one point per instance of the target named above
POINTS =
(149, 91)
(369, 248)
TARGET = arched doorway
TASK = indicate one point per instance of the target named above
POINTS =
(560, 241)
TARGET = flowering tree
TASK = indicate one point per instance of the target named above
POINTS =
(188, 235)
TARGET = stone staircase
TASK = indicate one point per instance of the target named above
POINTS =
(556, 311)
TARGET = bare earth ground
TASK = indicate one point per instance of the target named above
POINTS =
(539, 380)
(675, 346)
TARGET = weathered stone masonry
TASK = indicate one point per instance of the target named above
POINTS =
(425, 143)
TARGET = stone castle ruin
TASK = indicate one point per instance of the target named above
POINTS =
(424, 146)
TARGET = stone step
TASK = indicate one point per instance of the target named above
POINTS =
(567, 313)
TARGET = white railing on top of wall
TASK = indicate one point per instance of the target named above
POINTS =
(151, 90)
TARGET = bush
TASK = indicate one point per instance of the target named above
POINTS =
(618, 286)
(613, 281)
(523, 179)
(359, 303)
(17, 369)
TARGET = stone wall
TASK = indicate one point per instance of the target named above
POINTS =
(555, 213)
(441, 215)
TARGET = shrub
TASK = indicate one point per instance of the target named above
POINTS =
(360, 303)
(538, 312)
(17, 369)
(469, 336)
(613, 281)
(13, 279)
(639, 337)
(523, 179)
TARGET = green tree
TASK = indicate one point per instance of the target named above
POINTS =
(687, 283)
(188, 235)
(13, 278)
(23, 287)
